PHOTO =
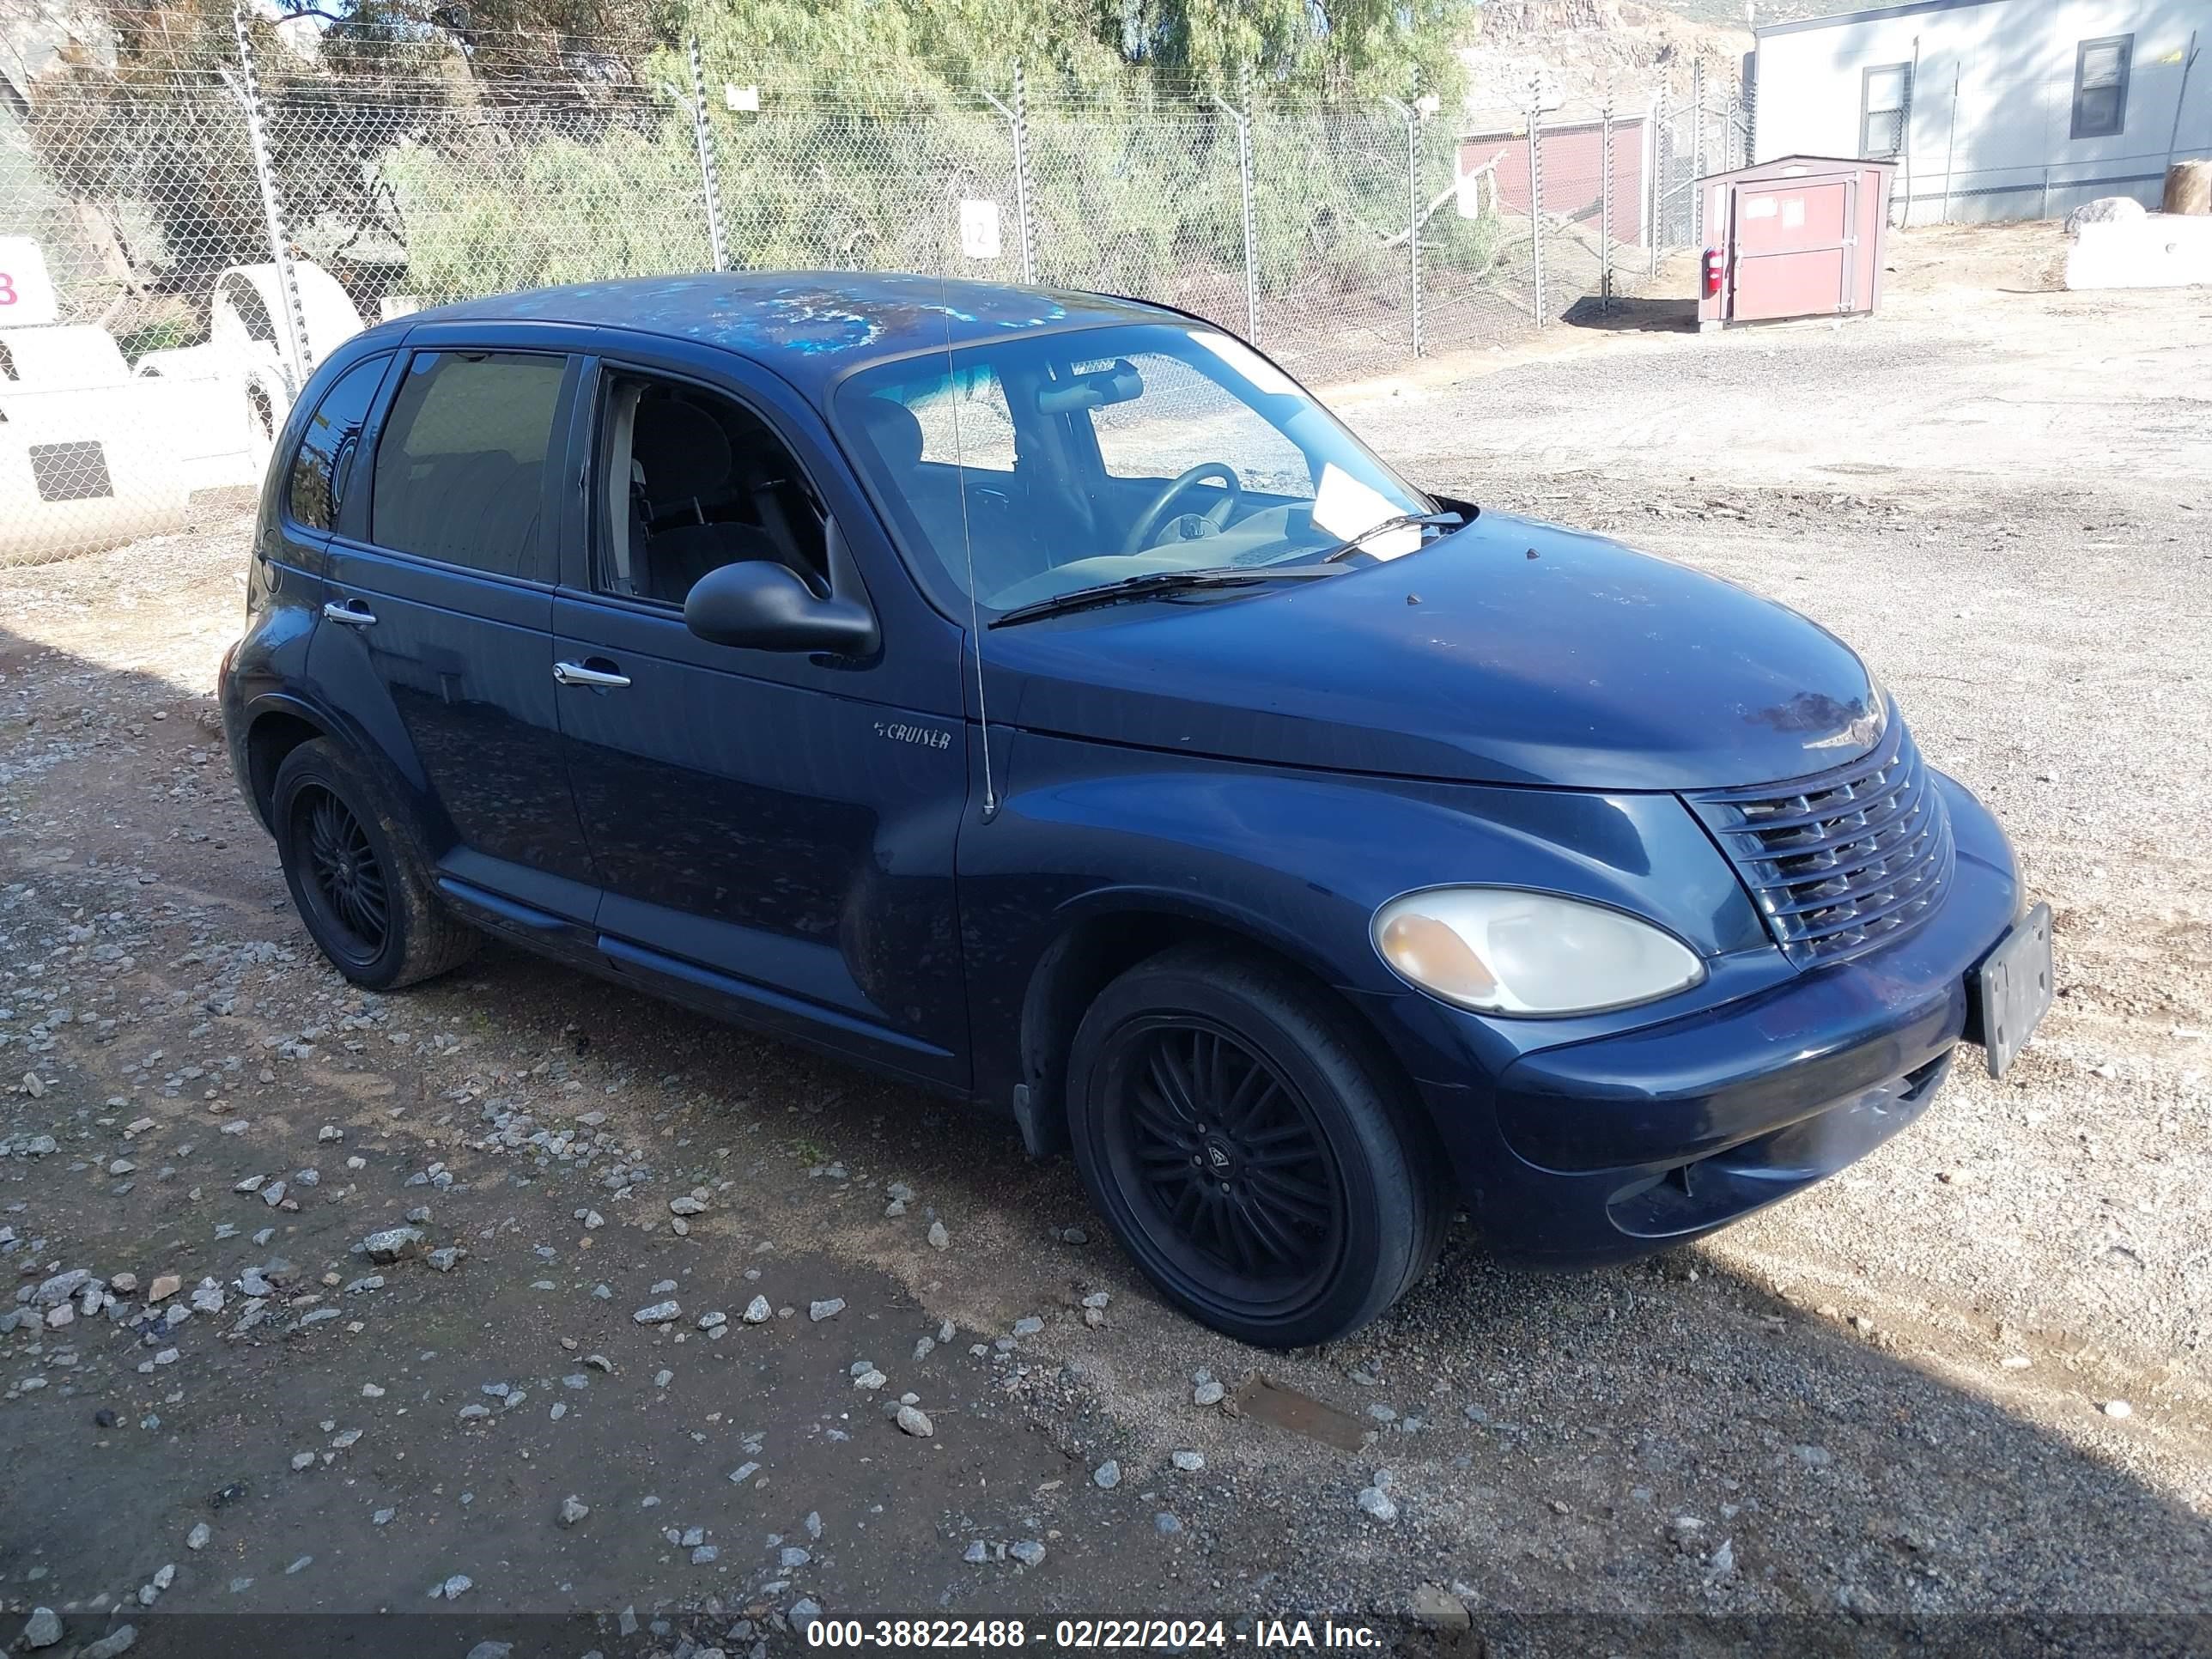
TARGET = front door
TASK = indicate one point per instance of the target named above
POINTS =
(774, 832)
(442, 601)
(1792, 247)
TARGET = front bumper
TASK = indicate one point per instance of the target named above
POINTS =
(1604, 1149)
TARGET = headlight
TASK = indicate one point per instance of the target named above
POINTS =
(1508, 952)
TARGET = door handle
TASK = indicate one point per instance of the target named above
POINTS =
(577, 673)
(352, 612)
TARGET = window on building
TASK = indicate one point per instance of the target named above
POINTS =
(1885, 100)
(2100, 86)
(461, 467)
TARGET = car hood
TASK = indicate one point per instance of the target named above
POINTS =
(1508, 652)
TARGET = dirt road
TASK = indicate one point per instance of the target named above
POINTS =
(1965, 1377)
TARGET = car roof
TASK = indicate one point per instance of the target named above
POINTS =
(813, 327)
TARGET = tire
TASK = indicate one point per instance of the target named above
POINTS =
(1230, 1129)
(356, 880)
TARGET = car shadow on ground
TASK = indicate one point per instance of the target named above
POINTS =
(1669, 1439)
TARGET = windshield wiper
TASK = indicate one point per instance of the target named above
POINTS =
(1156, 582)
(1345, 550)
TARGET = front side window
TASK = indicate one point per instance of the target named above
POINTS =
(2100, 86)
(323, 461)
(1021, 470)
(690, 481)
(460, 468)
(1885, 98)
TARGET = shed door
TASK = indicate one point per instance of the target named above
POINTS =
(1792, 247)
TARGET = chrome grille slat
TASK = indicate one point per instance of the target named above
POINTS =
(1843, 861)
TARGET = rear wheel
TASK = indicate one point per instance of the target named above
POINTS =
(365, 898)
(1231, 1131)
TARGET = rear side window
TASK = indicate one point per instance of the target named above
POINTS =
(460, 468)
(325, 456)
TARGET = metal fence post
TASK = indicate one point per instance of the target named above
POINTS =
(1240, 121)
(1605, 207)
(1951, 142)
(1655, 190)
(1024, 227)
(709, 179)
(272, 204)
(1698, 153)
(1017, 119)
(1536, 208)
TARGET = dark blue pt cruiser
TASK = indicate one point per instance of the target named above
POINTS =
(1041, 698)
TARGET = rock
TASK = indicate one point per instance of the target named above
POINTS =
(1166, 1523)
(915, 1421)
(392, 1244)
(1029, 1552)
(686, 1206)
(1374, 1502)
(705, 1555)
(1436, 1608)
(976, 1553)
(197, 1539)
(299, 1564)
(124, 1283)
(1189, 1462)
(803, 1612)
(455, 1587)
(44, 1630)
(445, 1258)
(757, 1311)
(660, 1313)
(709, 1320)
(2105, 210)
(1107, 1475)
(116, 1641)
(1208, 1392)
(61, 1287)
(939, 1238)
(573, 1510)
(2118, 1408)
(743, 1473)
(819, 1311)
(1028, 1327)
(871, 1379)
(491, 1650)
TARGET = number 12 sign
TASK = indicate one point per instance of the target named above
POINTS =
(27, 293)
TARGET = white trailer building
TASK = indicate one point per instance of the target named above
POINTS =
(1993, 109)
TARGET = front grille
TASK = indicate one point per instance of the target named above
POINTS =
(1843, 861)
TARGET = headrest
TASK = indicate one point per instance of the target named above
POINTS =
(896, 433)
(686, 449)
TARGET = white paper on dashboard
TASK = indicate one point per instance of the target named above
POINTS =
(1344, 506)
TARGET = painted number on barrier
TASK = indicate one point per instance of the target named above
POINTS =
(27, 293)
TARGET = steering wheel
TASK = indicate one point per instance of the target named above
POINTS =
(1149, 522)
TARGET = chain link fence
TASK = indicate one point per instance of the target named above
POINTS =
(180, 245)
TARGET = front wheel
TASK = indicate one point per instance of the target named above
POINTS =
(1241, 1146)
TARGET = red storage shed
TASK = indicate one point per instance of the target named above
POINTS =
(1798, 236)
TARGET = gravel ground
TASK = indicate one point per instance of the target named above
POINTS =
(1966, 1376)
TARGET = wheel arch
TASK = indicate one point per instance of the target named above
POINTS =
(1104, 938)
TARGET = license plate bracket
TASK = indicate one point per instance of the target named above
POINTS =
(2012, 989)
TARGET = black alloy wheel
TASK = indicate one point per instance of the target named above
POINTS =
(1249, 1148)
(356, 879)
(1226, 1169)
(345, 883)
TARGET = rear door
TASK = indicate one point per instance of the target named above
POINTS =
(438, 610)
(1794, 247)
(774, 832)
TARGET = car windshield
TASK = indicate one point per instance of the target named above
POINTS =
(1023, 470)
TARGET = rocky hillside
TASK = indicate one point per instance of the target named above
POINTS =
(1591, 46)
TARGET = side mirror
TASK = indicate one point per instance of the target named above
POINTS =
(763, 605)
